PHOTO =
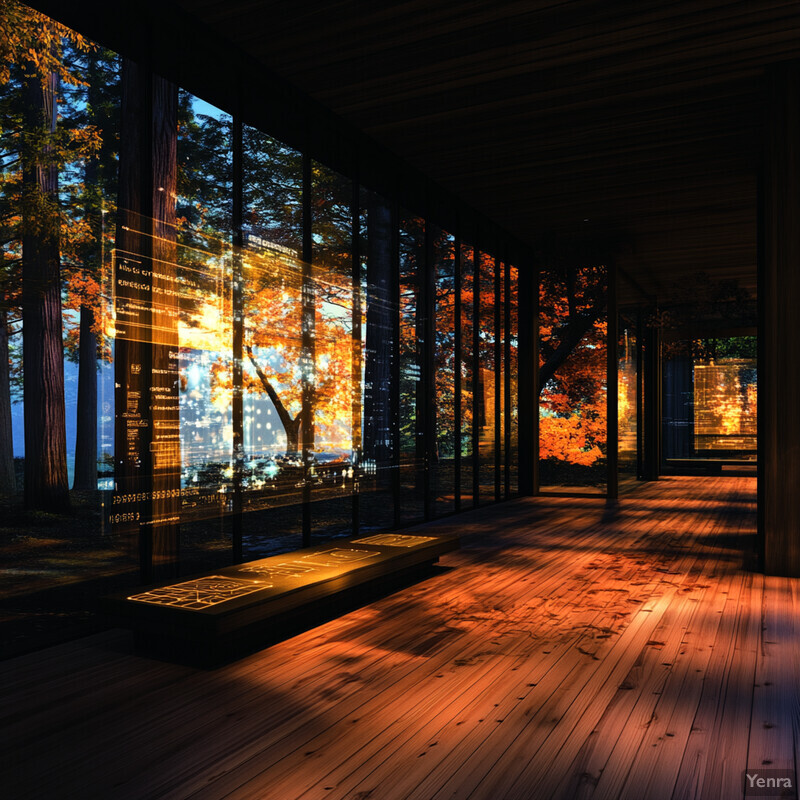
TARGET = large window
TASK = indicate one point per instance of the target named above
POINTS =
(710, 398)
(273, 354)
(412, 386)
(230, 349)
(337, 354)
(572, 368)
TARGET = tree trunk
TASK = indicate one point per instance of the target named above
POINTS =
(292, 429)
(86, 433)
(8, 483)
(291, 425)
(46, 485)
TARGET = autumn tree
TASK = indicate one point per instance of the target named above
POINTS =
(33, 67)
(10, 268)
(572, 366)
(93, 109)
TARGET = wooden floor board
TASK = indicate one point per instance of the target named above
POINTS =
(572, 649)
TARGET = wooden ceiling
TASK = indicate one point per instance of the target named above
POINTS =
(635, 124)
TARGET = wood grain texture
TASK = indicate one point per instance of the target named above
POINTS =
(569, 650)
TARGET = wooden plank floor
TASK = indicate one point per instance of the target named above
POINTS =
(569, 650)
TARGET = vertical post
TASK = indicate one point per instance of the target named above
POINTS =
(165, 359)
(457, 357)
(779, 344)
(133, 474)
(612, 379)
(237, 303)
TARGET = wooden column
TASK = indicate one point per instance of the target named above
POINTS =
(778, 337)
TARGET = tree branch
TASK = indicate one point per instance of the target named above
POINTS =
(284, 416)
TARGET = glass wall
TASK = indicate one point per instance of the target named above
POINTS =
(710, 399)
(256, 353)
(572, 370)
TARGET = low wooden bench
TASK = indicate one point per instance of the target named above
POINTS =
(710, 466)
(216, 616)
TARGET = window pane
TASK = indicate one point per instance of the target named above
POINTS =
(378, 459)
(337, 370)
(412, 399)
(487, 392)
(627, 383)
(572, 403)
(205, 334)
(710, 398)
(272, 287)
(513, 380)
(468, 462)
(442, 467)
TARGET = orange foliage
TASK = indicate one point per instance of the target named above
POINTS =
(572, 426)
